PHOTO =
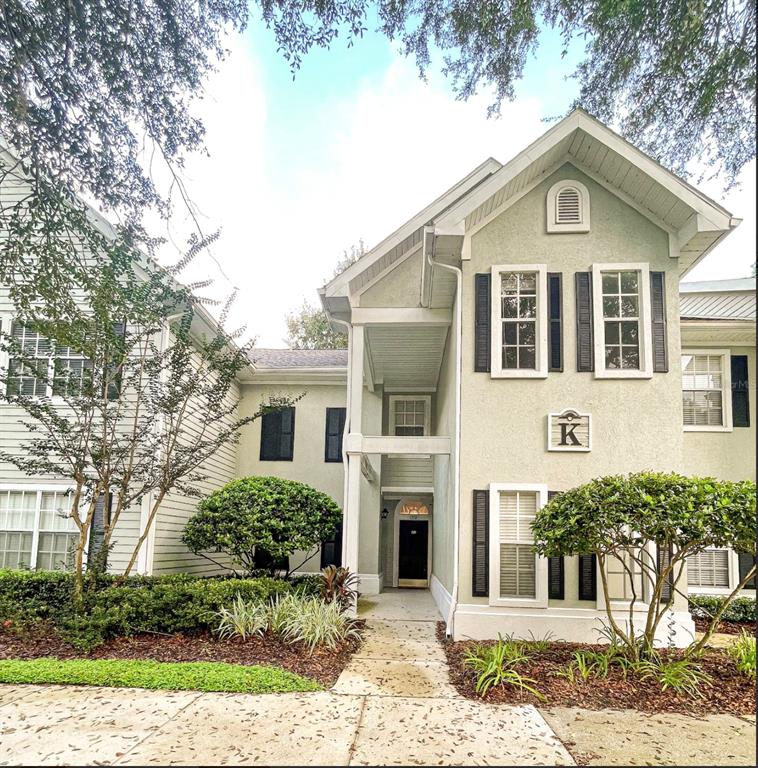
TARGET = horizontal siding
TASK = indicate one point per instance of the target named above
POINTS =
(407, 472)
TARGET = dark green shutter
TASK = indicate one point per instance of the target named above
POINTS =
(585, 356)
(555, 322)
(658, 317)
(663, 558)
(482, 311)
(740, 402)
(480, 555)
(334, 428)
(587, 578)
(746, 562)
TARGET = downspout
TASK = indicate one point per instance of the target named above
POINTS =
(457, 441)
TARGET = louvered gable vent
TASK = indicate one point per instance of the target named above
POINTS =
(568, 206)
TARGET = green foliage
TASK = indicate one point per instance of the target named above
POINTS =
(681, 675)
(539, 644)
(742, 652)
(173, 676)
(309, 328)
(274, 514)
(495, 665)
(741, 610)
(243, 619)
(306, 584)
(627, 517)
(168, 604)
(338, 584)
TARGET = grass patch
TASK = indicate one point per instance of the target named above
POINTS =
(173, 676)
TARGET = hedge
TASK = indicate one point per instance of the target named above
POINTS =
(741, 611)
(170, 604)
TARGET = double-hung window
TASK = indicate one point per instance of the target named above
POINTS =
(709, 568)
(36, 529)
(517, 575)
(706, 395)
(410, 416)
(623, 343)
(278, 435)
(519, 321)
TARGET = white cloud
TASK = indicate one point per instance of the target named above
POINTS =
(373, 161)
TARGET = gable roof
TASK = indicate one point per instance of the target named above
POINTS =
(694, 222)
(297, 358)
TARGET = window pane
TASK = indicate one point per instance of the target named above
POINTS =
(15, 549)
(629, 333)
(528, 282)
(526, 333)
(55, 551)
(528, 307)
(629, 306)
(610, 282)
(509, 282)
(526, 357)
(612, 333)
(510, 357)
(629, 282)
(509, 333)
(510, 306)
(630, 358)
(612, 357)
(610, 306)
(55, 512)
(708, 569)
(17, 509)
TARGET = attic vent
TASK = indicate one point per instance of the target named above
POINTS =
(568, 207)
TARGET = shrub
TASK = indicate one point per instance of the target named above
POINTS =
(741, 610)
(681, 675)
(264, 513)
(495, 665)
(312, 622)
(307, 584)
(338, 585)
(624, 518)
(243, 619)
(742, 653)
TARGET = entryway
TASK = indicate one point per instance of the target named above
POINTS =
(413, 553)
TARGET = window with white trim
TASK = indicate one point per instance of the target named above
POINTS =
(709, 568)
(623, 338)
(517, 574)
(36, 529)
(519, 321)
(706, 385)
(568, 207)
(409, 416)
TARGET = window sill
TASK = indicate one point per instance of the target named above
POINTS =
(696, 428)
(628, 374)
(518, 374)
(515, 602)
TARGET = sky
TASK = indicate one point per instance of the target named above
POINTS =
(298, 171)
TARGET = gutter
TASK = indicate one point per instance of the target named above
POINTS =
(457, 463)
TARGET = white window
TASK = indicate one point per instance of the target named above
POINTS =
(517, 575)
(519, 321)
(47, 369)
(706, 388)
(568, 207)
(410, 416)
(621, 309)
(709, 568)
(36, 529)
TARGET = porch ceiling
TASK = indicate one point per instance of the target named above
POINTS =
(405, 356)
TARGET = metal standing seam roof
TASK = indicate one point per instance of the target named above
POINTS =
(718, 300)
(298, 358)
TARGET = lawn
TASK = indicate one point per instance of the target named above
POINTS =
(174, 676)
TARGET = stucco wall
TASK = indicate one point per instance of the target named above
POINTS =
(725, 455)
(307, 465)
(636, 423)
(399, 288)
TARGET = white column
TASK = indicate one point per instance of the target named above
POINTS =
(352, 511)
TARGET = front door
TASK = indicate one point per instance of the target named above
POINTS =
(412, 562)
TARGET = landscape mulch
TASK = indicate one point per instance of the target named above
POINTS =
(726, 627)
(729, 691)
(323, 665)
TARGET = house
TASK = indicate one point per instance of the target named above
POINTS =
(526, 332)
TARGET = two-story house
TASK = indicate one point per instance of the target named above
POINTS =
(524, 333)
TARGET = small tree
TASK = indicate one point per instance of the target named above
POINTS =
(632, 519)
(269, 513)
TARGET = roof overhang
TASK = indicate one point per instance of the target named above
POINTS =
(717, 332)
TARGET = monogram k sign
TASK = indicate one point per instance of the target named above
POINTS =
(569, 431)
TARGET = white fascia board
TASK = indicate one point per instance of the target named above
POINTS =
(298, 376)
(338, 286)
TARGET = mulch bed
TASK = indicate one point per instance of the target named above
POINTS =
(323, 665)
(730, 691)
(726, 627)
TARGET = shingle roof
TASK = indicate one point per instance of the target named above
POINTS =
(298, 358)
(718, 300)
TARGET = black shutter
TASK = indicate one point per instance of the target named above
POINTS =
(740, 403)
(658, 313)
(555, 323)
(585, 357)
(114, 387)
(482, 310)
(480, 556)
(287, 435)
(331, 549)
(587, 578)
(555, 573)
(271, 429)
(663, 558)
(335, 426)
(746, 561)
(96, 557)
